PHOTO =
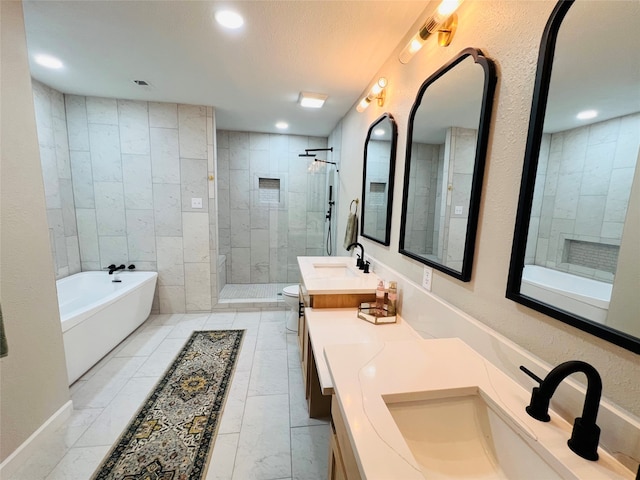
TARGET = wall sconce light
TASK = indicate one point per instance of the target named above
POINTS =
(443, 21)
(376, 93)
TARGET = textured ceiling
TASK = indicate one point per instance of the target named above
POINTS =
(252, 76)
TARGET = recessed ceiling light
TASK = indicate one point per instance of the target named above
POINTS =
(379, 132)
(587, 115)
(48, 61)
(312, 100)
(282, 125)
(229, 19)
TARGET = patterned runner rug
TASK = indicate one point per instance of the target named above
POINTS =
(174, 431)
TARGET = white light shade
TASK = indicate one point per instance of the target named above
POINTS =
(445, 10)
(229, 19)
(412, 47)
(282, 125)
(378, 132)
(311, 100)
(587, 115)
(48, 61)
(362, 106)
(378, 86)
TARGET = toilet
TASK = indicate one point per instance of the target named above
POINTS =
(291, 300)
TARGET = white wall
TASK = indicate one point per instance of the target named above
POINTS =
(33, 377)
(509, 33)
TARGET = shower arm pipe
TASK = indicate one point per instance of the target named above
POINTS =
(325, 161)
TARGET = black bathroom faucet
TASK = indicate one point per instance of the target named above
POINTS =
(113, 268)
(585, 434)
(360, 261)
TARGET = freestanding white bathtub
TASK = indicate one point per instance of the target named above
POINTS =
(583, 296)
(97, 314)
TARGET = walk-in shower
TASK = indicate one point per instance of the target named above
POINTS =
(272, 208)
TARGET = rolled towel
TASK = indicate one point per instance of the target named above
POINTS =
(351, 233)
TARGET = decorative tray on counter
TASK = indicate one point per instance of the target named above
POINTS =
(372, 314)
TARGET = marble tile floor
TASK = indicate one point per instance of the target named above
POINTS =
(264, 434)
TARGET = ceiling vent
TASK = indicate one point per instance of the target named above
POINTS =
(142, 83)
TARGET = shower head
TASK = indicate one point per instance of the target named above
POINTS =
(307, 150)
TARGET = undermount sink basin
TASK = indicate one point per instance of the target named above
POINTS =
(463, 437)
(333, 270)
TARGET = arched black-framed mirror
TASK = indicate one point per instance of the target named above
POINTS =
(444, 165)
(377, 179)
(576, 247)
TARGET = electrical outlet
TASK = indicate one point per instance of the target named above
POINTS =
(196, 203)
(458, 210)
(427, 274)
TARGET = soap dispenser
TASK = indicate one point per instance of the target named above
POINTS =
(380, 298)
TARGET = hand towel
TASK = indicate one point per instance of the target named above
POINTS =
(351, 234)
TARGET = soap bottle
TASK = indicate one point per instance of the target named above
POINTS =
(380, 299)
(393, 298)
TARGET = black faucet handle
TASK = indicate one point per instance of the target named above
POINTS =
(131, 267)
(113, 265)
(538, 407)
(530, 373)
(366, 266)
(358, 260)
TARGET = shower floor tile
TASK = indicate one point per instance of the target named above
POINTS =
(248, 293)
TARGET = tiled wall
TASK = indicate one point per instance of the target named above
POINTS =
(56, 174)
(433, 227)
(261, 241)
(421, 230)
(582, 190)
(135, 167)
(460, 155)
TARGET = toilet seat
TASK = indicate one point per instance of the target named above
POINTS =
(291, 291)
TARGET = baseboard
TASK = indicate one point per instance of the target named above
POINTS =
(32, 444)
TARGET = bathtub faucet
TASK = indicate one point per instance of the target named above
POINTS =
(113, 268)
(585, 435)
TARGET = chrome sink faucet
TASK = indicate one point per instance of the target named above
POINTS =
(586, 434)
(360, 262)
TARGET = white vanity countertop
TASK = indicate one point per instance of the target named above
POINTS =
(339, 326)
(420, 370)
(318, 279)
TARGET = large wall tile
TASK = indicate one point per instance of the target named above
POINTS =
(163, 115)
(88, 235)
(165, 155)
(172, 299)
(82, 180)
(240, 228)
(110, 208)
(170, 261)
(68, 208)
(194, 184)
(196, 237)
(113, 250)
(192, 128)
(197, 286)
(134, 127)
(105, 153)
(102, 110)
(77, 125)
(167, 210)
(60, 137)
(240, 189)
(136, 176)
(240, 268)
